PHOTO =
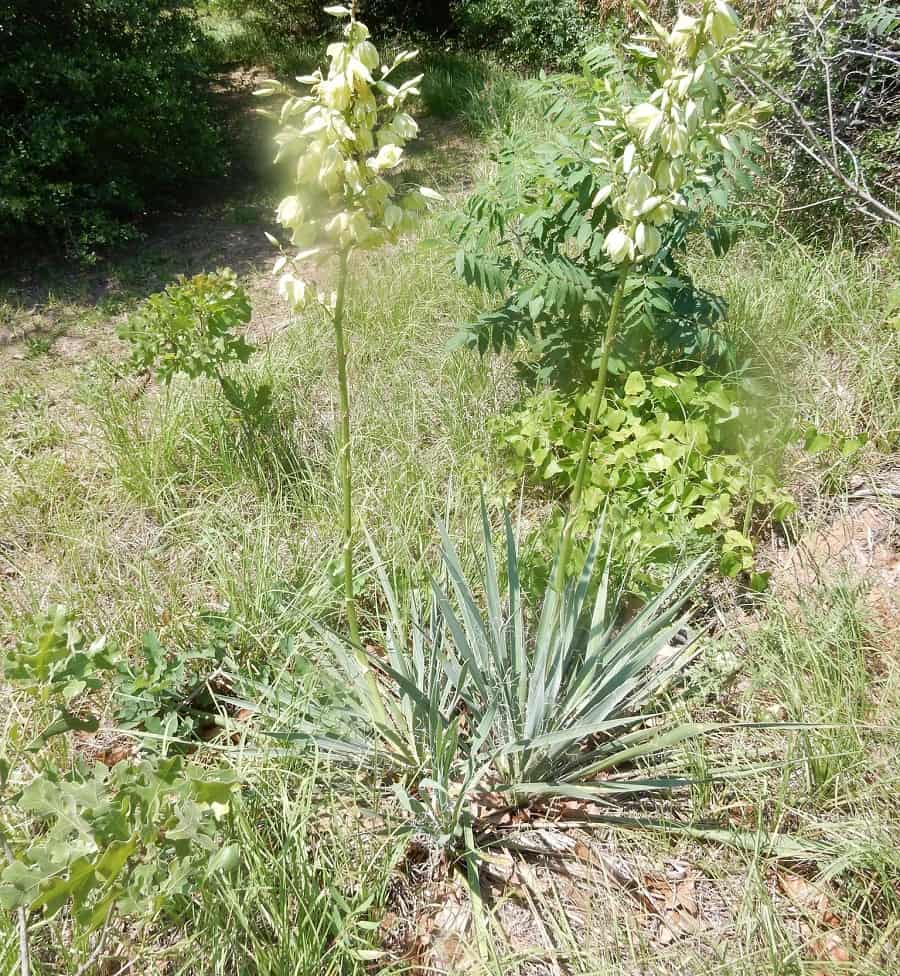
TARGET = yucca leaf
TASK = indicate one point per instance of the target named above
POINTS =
(472, 618)
(533, 705)
(461, 642)
(491, 583)
(517, 614)
(572, 735)
(599, 791)
(656, 741)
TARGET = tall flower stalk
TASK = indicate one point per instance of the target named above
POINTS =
(343, 446)
(653, 152)
(344, 139)
(612, 325)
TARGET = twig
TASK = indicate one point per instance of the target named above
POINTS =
(875, 55)
(24, 953)
(820, 156)
(824, 62)
(97, 950)
(816, 203)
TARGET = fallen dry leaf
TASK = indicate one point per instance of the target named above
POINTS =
(813, 898)
(675, 923)
(830, 948)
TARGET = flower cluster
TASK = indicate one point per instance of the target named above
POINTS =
(654, 149)
(346, 136)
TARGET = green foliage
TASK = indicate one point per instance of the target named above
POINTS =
(298, 19)
(164, 692)
(815, 666)
(103, 116)
(532, 33)
(486, 708)
(53, 662)
(816, 442)
(136, 839)
(306, 896)
(190, 329)
(535, 238)
(302, 20)
(668, 458)
(484, 96)
(838, 64)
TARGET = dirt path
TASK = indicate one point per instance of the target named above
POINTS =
(73, 310)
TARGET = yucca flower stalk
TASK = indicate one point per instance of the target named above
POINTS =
(652, 151)
(345, 138)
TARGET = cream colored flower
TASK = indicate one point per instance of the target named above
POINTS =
(290, 211)
(336, 93)
(647, 239)
(684, 33)
(292, 289)
(645, 119)
(387, 158)
(619, 246)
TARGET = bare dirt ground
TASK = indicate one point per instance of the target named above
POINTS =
(75, 309)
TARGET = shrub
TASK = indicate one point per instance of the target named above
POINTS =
(305, 19)
(531, 33)
(536, 237)
(134, 840)
(667, 459)
(831, 70)
(527, 33)
(611, 199)
(189, 329)
(103, 116)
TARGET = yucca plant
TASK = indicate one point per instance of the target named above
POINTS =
(487, 708)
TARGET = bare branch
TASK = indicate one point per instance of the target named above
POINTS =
(819, 154)
(22, 920)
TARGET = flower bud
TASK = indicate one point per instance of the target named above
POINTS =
(601, 195)
(367, 54)
(619, 245)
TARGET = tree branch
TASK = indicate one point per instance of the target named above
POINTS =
(820, 155)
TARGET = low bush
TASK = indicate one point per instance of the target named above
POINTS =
(194, 329)
(669, 458)
(137, 839)
(532, 33)
(831, 71)
(103, 116)
(481, 706)
(189, 329)
(536, 238)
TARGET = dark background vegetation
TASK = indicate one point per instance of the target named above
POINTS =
(106, 114)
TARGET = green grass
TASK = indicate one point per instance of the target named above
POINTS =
(816, 322)
(310, 888)
(818, 673)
